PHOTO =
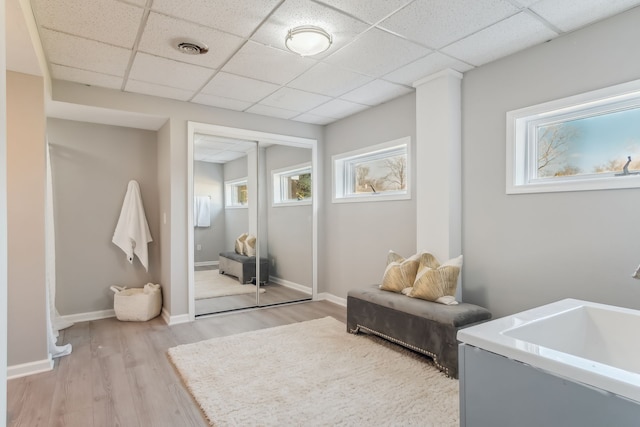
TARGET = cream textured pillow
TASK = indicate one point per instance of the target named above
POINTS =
(400, 273)
(240, 243)
(432, 284)
(250, 245)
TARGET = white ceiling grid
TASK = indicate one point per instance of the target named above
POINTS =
(380, 46)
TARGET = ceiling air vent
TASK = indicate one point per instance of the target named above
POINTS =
(192, 48)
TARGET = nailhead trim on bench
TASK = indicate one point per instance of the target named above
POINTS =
(404, 344)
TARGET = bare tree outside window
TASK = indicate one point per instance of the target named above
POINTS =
(553, 147)
(381, 175)
(300, 186)
(397, 175)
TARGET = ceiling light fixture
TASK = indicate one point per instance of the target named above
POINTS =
(307, 40)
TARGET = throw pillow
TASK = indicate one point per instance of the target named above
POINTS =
(240, 243)
(250, 245)
(432, 284)
(400, 273)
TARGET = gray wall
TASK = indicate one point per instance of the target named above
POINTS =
(25, 178)
(356, 237)
(290, 233)
(236, 219)
(525, 250)
(91, 166)
(208, 180)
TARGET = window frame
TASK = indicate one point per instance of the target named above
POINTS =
(278, 187)
(343, 170)
(521, 139)
(228, 191)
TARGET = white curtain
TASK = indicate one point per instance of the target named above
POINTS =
(55, 322)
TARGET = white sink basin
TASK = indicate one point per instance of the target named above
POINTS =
(592, 343)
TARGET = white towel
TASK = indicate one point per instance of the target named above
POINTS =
(132, 232)
(202, 212)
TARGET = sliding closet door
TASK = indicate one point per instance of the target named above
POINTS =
(225, 181)
(285, 223)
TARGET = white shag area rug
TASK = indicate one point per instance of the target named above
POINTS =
(314, 373)
(211, 284)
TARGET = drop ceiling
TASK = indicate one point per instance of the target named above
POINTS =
(380, 47)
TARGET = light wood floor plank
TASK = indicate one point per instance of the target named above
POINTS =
(119, 374)
(73, 395)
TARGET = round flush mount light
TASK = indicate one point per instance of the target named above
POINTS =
(192, 48)
(307, 40)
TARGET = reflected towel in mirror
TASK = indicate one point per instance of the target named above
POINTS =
(201, 211)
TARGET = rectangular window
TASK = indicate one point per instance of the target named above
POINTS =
(292, 185)
(376, 173)
(236, 195)
(586, 142)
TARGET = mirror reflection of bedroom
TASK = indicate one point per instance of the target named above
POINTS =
(252, 201)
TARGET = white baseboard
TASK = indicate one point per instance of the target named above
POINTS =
(24, 369)
(331, 298)
(93, 315)
(205, 263)
(174, 320)
(288, 284)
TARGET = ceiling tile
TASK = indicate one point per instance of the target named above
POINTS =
(265, 110)
(294, 99)
(426, 66)
(72, 51)
(140, 3)
(91, 78)
(146, 88)
(238, 87)
(107, 21)
(502, 39)
(268, 64)
(569, 15)
(218, 101)
(525, 3)
(239, 17)
(376, 92)
(162, 35)
(436, 23)
(376, 53)
(368, 11)
(294, 13)
(329, 80)
(167, 72)
(338, 109)
(312, 119)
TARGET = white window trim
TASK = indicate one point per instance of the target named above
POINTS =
(338, 162)
(227, 193)
(520, 122)
(276, 174)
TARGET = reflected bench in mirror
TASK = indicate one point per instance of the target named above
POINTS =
(243, 267)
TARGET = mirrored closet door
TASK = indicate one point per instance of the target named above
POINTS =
(252, 200)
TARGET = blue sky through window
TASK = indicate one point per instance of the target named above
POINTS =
(597, 144)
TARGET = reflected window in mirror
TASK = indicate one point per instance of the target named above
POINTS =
(236, 193)
(292, 185)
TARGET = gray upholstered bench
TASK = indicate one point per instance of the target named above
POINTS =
(423, 326)
(243, 267)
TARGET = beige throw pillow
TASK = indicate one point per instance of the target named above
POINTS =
(400, 273)
(432, 284)
(240, 243)
(250, 245)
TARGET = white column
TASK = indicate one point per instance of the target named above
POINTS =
(438, 165)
